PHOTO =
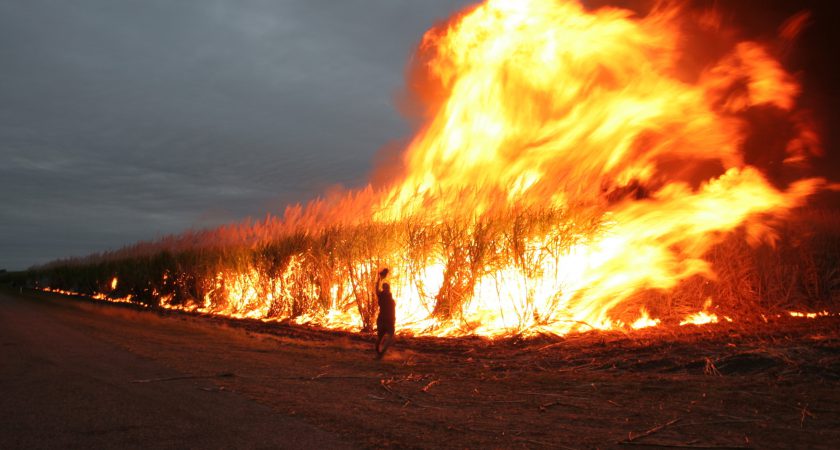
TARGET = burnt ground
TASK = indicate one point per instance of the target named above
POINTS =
(169, 379)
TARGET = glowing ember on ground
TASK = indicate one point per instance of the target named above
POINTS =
(96, 296)
(810, 315)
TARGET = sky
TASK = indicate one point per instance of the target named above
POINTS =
(129, 120)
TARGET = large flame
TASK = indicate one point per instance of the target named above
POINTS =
(545, 104)
(626, 148)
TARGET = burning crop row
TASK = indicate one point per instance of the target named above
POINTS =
(576, 170)
(327, 278)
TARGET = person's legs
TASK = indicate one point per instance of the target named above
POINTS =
(385, 342)
(379, 339)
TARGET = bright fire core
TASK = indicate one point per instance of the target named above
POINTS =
(568, 160)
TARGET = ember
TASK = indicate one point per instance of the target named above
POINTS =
(570, 161)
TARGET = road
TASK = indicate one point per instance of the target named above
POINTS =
(76, 373)
(62, 387)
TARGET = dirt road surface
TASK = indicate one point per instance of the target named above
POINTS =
(77, 373)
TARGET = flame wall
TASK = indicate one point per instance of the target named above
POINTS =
(569, 159)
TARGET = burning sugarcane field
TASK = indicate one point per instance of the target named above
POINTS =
(606, 224)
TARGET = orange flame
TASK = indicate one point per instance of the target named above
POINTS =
(644, 321)
(549, 105)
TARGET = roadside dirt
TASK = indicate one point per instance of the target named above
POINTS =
(770, 385)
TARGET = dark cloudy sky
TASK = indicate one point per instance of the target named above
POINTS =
(123, 120)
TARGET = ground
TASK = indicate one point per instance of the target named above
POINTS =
(79, 373)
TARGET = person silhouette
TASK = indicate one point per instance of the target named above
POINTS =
(385, 322)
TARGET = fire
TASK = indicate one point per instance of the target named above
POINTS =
(97, 296)
(644, 321)
(548, 104)
(545, 104)
(569, 159)
(700, 318)
(809, 315)
(114, 283)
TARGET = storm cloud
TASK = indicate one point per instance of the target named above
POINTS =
(128, 120)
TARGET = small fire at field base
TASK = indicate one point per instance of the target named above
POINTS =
(569, 159)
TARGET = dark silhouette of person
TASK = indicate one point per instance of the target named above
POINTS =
(385, 322)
